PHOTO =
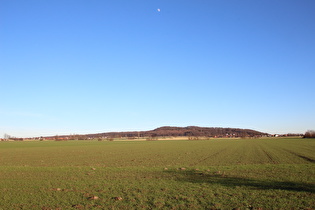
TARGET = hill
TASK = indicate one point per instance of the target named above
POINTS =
(193, 131)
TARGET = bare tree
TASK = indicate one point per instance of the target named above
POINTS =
(6, 136)
(309, 134)
(152, 137)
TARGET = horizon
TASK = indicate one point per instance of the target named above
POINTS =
(64, 134)
(91, 67)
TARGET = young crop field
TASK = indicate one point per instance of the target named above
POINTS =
(203, 174)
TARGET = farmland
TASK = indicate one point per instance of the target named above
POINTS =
(204, 174)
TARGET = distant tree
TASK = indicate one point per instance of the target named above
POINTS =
(243, 135)
(309, 134)
(152, 137)
(82, 137)
(6, 136)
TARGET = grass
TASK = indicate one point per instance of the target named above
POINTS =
(218, 174)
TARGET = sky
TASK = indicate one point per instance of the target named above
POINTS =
(79, 67)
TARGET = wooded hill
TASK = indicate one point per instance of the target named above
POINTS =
(194, 131)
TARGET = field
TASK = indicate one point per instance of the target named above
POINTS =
(204, 174)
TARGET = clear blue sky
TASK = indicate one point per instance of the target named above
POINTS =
(78, 66)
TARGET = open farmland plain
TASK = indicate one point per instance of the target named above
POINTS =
(204, 174)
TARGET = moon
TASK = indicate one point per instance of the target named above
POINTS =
(159, 10)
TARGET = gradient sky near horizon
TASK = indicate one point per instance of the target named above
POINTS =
(78, 66)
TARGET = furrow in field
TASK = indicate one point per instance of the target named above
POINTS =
(208, 157)
(268, 155)
(300, 156)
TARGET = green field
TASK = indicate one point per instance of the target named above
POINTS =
(204, 174)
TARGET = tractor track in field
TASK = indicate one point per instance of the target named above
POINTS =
(212, 155)
(268, 155)
(300, 156)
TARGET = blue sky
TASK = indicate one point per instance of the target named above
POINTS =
(80, 66)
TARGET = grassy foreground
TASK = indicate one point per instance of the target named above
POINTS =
(205, 174)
